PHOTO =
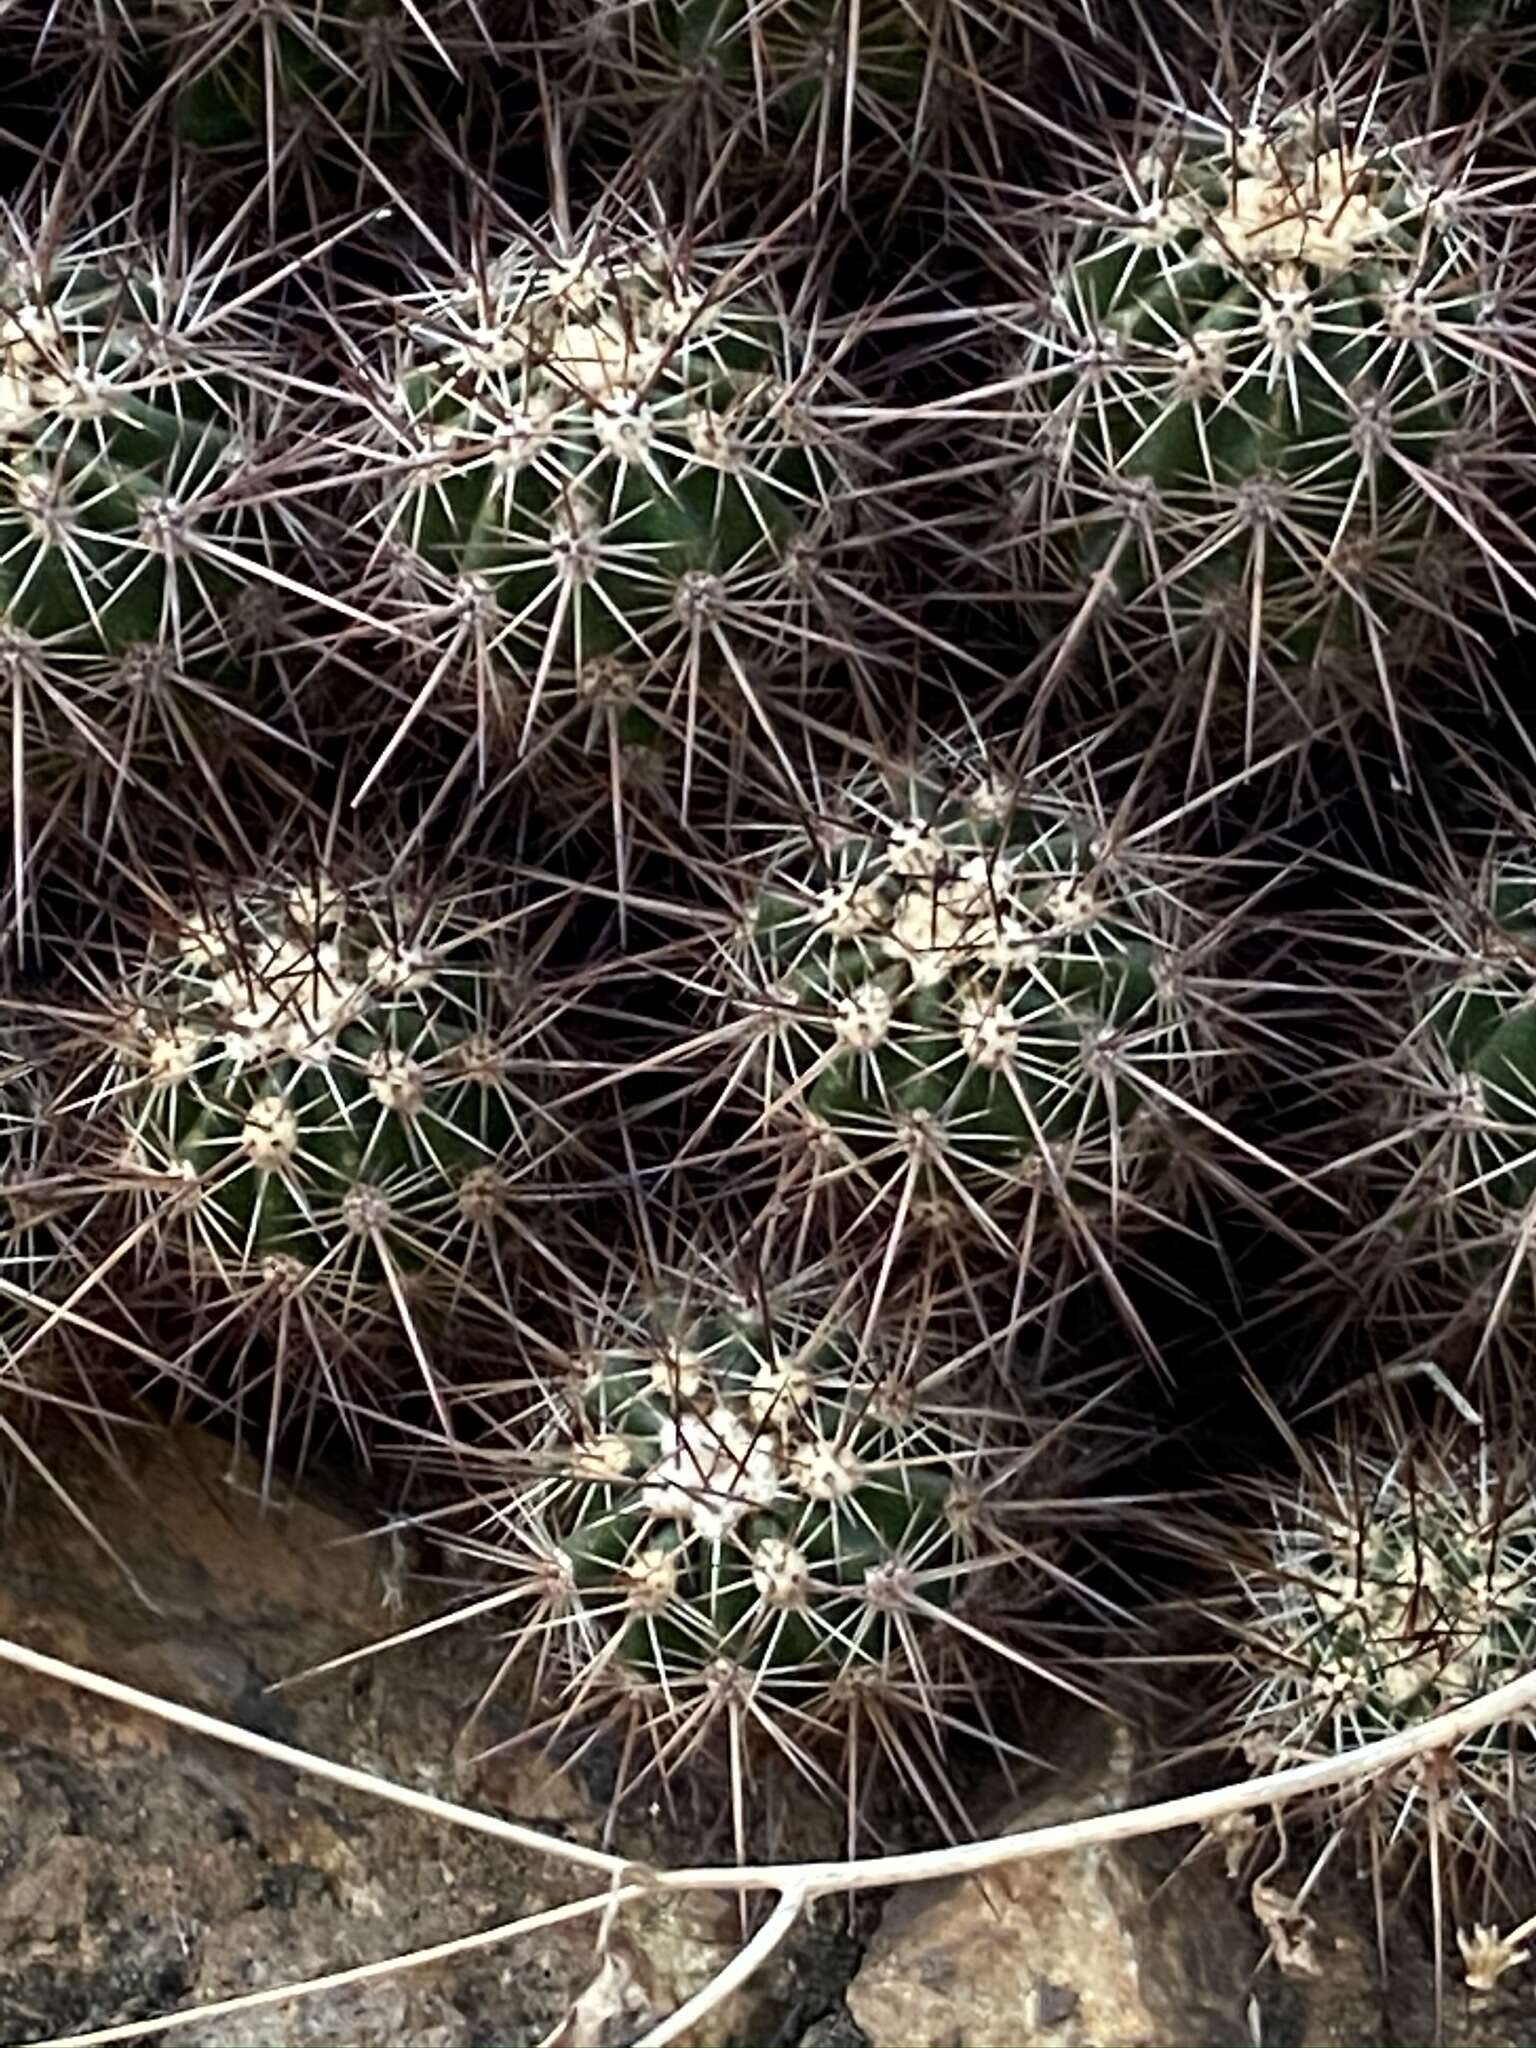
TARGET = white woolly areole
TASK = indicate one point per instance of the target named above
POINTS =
(941, 924)
(28, 388)
(293, 999)
(599, 335)
(602, 1459)
(679, 1372)
(269, 1137)
(915, 849)
(781, 1572)
(825, 1471)
(778, 1394)
(172, 1054)
(713, 1470)
(863, 1019)
(1289, 210)
(851, 910)
(989, 1033)
(649, 1579)
(396, 1080)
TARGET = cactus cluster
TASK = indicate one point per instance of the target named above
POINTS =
(961, 988)
(742, 1516)
(326, 1095)
(748, 746)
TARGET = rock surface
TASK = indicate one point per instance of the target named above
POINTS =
(1067, 1951)
(1145, 1945)
(145, 1870)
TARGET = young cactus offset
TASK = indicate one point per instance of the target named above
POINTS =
(742, 1532)
(607, 479)
(1393, 1580)
(1252, 436)
(328, 1092)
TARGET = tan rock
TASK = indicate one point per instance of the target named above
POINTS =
(1058, 1952)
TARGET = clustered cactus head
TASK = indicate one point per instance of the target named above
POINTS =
(963, 993)
(605, 482)
(1393, 1580)
(1255, 410)
(743, 1528)
(807, 83)
(329, 1096)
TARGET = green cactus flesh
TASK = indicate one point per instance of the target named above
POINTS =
(333, 1085)
(1249, 402)
(967, 977)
